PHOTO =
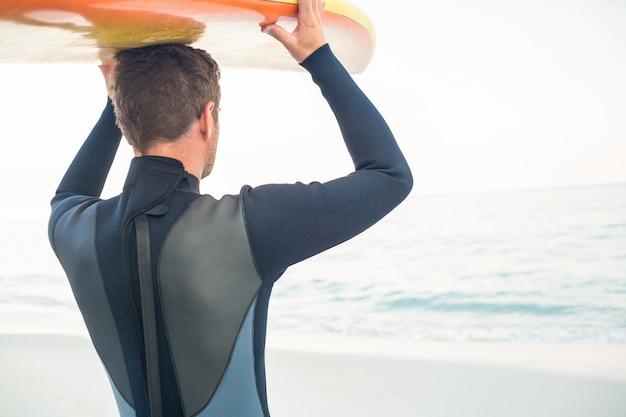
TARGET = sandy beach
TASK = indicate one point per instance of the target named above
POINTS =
(310, 375)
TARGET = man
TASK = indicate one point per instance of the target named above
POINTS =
(174, 285)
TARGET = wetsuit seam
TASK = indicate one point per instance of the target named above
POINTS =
(243, 193)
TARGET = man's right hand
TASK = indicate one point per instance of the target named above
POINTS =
(308, 35)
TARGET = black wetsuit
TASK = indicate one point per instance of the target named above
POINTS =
(212, 262)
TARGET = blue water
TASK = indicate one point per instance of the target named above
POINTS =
(540, 266)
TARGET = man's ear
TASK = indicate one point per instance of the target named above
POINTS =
(207, 124)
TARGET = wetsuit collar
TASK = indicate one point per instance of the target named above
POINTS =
(160, 166)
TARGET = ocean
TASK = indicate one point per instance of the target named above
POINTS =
(545, 265)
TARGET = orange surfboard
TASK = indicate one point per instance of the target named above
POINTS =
(50, 31)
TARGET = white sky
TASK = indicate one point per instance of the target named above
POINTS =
(482, 95)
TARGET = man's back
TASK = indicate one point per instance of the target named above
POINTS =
(206, 287)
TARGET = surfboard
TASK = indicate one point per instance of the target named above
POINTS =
(85, 31)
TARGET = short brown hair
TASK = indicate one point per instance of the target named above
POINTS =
(159, 90)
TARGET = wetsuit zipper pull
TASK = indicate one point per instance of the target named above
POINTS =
(157, 211)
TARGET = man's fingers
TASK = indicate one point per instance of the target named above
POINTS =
(278, 33)
(308, 34)
(271, 30)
